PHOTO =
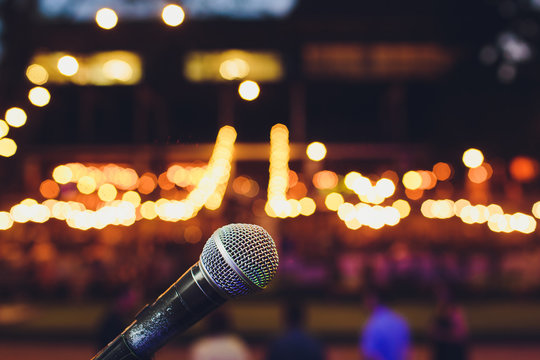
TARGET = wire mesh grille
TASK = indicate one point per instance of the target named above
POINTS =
(251, 249)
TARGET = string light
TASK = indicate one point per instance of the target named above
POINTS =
(37, 74)
(173, 15)
(473, 158)
(249, 90)
(67, 65)
(15, 117)
(4, 128)
(235, 68)
(316, 151)
(8, 147)
(106, 18)
(39, 96)
(210, 182)
(278, 181)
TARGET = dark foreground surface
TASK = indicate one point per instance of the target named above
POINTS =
(60, 351)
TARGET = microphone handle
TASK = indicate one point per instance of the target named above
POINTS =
(188, 300)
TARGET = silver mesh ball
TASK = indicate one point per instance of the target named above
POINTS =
(247, 262)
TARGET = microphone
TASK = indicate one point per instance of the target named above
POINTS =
(237, 260)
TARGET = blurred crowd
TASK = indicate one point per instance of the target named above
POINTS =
(385, 334)
(54, 262)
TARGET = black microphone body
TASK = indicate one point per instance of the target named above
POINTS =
(237, 260)
(189, 299)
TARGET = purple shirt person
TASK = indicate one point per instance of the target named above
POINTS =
(386, 335)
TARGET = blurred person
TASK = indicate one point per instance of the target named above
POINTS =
(220, 343)
(295, 343)
(449, 331)
(386, 334)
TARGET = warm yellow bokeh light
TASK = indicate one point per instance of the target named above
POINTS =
(232, 69)
(333, 201)
(536, 210)
(62, 174)
(118, 70)
(4, 128)
(385, 187)
(412, 180)
(148, 210)
(6, 221)
(473, 158)
(307, 206)
(460, 205)
(402, 207)
(86, 184)
(353, 224)
(249, 90)
(106, 18)
(8, 147)
(173, 15)
(316, 151)
(67, 65)
(39, 96)
(37, 74)
(132, 197)
(107, 192)
(15, 117)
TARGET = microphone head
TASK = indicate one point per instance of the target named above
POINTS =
(239, 259)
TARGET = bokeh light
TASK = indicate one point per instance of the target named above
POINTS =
(147, 183)
(164, 182)
(62, 174)
(4, 128)
(192, 234)
(67, 65)
(478, 174)
(279, 173)
(173, 15)
(429, 180)
(148, 210)
(414, 194)
(536, 210)
(333, 201)
(49, 189)
(473, 158)
(8, 147)
(307, 206)
(132, 197)
(412, 180)
(107, 192)
(6, 222)
(249, 90)
(402, 207)
(325, 179)
(243, 185)
(15, 117)
(442, 171)
(316, 151)
(524, 169)
(106, 18)
(86, 185)
(232, 69)
(116, 69)
(385, 188)
(37, 74)
(39, 96)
